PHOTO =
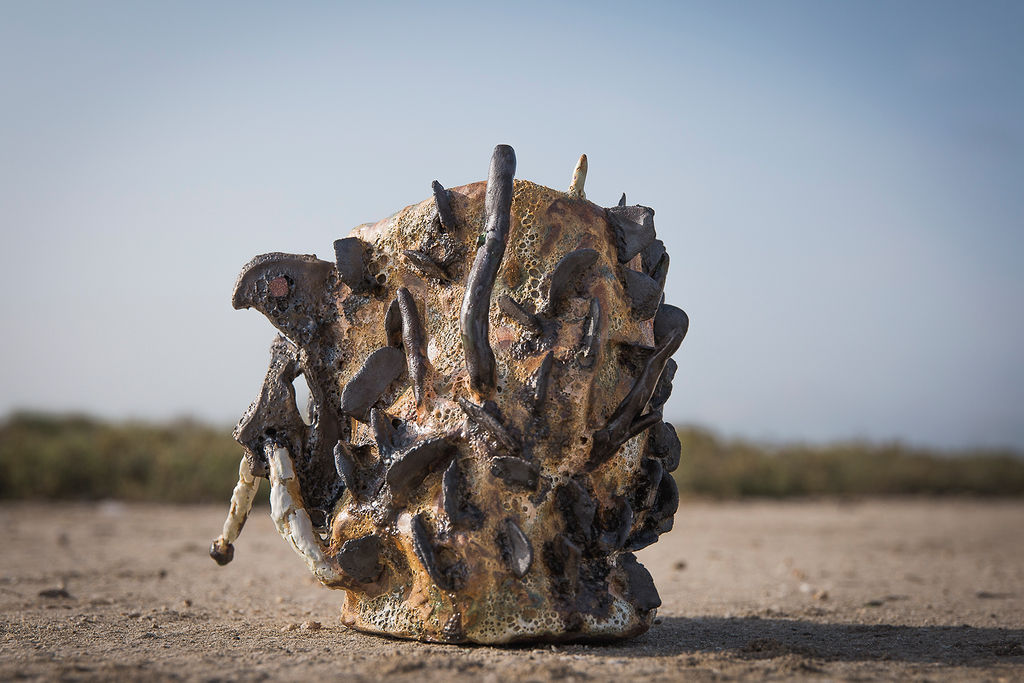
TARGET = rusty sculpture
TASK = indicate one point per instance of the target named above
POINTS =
(487, 371)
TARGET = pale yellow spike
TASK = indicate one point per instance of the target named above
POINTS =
(579, 177)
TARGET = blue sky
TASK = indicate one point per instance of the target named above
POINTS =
(839, 185)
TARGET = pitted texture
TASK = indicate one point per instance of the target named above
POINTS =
(452, 498)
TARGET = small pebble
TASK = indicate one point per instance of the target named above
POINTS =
(311, 626)
(290, 627)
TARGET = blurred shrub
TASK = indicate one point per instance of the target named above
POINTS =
(80, 458)
(711, 466)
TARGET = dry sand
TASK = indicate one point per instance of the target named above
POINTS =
(902, 589)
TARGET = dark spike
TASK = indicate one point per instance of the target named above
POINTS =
(639, 584)
(490, 424)
(423, 546)
(643, 422)
(651, 256)
(393, 324)
(578, 508)
(344, 463)
(379, 370)
(415, 340)
(622, 199)
(662, 515)
(648, 478)
(620, 425)
(663, 389)
(668, 321)
(634, 229)
(425, 264)
(515, 548)
(543, 380)
(409, 471)
(383, 433)
(565, 278)
(457, 507)
(660, 271)
(360, 558)
(443, 206)
(643, 292)
(476, 302)
(616, 521)
(515, 471)
(514, 310)
(350, 259)
(592, 333)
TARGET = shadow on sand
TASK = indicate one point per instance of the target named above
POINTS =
(757, 638)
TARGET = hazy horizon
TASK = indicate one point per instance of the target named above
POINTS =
(838, 185)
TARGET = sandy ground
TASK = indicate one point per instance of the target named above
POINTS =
(820, 590)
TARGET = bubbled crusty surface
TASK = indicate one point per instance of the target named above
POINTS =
(491, 604)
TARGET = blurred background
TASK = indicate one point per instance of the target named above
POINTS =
(839, 186)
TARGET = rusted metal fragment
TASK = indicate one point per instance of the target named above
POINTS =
(515, 548)
(513, 310)
(425, 264)
(443, 206)
(381, 368)
(634, 229)
(620, 425)
(350, 260)
(668, 321)
(490, 424)
(477, 300)
(639, 583)
(292, 290)
(414, 338)
(515, 471)
(393, 324)
(592, 334)
(566, 278)
(407, 472)
(663, 389)
(644, 293)
(360, 558)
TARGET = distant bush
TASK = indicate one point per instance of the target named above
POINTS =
(81, 458)
(720, 468)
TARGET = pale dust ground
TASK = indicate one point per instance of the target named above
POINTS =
(892, 590)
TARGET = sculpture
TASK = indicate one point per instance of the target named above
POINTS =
(487, 370)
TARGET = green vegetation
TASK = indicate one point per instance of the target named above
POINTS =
(80, 458)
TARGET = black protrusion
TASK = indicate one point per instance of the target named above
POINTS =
(349, 257)
(425, 264)
(414, 338)
(490, 424)
(662, 515)
(543, 380)
(648, 478)
(663, 443)
(622, 199)
(650, 257)
(643, 422)
(566, 277)
(620, 425)
(408, 472)
(345, 465)
(592, 333)
(222, 553)
(639, 584)
(660, 271)
(515, 471)
(634, 229)
(663, 389)
(393, 324)
(360, 558)
(643, 292)
(379, 370)
(515, 310)
(563, 558)
(641, 539)
(383, 433)
(578, 509)
(476, 301)
(423, 546)
(443, 206)
(457, 507)
(515, 548)
(615, 523)
(668, 321)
